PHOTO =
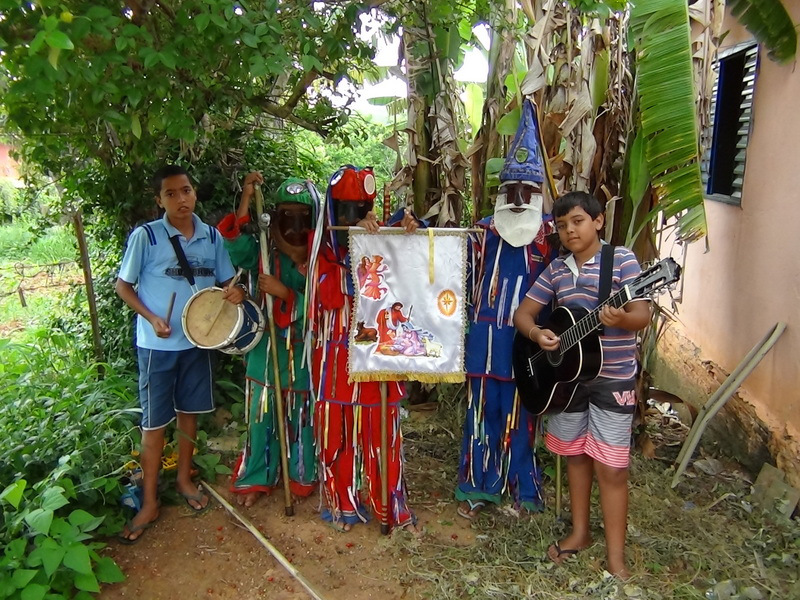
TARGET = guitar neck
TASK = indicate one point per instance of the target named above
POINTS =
(591, 322)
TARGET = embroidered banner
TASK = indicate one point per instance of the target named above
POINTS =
(410, 313)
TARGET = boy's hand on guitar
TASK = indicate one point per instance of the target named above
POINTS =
(547, 340)
(612, 317)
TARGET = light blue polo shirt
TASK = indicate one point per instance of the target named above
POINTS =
(150, 264)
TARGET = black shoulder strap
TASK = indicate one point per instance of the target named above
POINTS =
(182, 261)
(606, 269)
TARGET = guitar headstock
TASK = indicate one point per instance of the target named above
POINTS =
(660, 275)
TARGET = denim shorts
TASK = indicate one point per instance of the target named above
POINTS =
(172, 382)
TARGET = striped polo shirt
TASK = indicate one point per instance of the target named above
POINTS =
(573, 287)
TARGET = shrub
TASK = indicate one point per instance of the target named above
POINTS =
(65, 437)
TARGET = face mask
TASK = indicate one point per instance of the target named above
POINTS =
(350, 213)
(518, 213)
(294, 223)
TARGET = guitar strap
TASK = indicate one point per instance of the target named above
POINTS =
(606, 269)
(182, 260)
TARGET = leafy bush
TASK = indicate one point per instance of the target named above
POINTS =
(65, 436)
(15, 240)
(12, 200)
(58, 244)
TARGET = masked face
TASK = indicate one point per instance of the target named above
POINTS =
(518, 212)
(350, 213)
(291, 227)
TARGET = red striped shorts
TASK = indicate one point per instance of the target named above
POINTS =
(599, 422)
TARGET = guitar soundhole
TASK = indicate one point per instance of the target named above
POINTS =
(554, 357)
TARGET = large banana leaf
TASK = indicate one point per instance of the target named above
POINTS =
(665, 89)
(770, 24)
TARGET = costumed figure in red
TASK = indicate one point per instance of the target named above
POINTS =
(347, 415)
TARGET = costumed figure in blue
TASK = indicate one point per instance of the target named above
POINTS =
(497, 451)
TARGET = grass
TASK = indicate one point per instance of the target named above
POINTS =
(703, 539)
(43, 267)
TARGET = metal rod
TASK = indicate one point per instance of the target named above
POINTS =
(276, 370)
(264, 542)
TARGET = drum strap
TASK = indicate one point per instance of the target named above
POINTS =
(182, 261)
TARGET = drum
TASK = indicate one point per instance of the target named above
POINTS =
(211, 322)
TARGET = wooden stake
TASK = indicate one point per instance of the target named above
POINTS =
(384, 456)
(264, 542)
(276, 370)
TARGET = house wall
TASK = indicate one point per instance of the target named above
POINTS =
(749, 277)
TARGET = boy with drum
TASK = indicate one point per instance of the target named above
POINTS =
(174, 376)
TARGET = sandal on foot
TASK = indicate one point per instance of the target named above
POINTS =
(196, 497)
(561, 554)
(339, 526)
(132, 529)
(475, 506)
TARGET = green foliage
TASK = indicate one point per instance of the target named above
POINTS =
(769, 23)
(99, 97)
(359, 144)
(15, 239)
(665, 93)
(11, 204)
(57, 245)
(64, 438)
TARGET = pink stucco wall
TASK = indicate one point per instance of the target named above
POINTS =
(749, 279)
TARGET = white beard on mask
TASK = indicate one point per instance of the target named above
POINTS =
(518, 228)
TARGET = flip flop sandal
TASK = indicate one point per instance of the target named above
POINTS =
(197, 497)
(475, 506)
(123, 539)
(561, 554)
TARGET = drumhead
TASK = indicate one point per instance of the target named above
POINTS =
(204, 307)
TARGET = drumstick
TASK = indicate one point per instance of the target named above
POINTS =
(171, 306)
(222, 302)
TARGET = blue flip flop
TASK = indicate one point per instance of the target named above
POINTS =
(475, 506)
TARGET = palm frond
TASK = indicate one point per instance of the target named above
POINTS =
(665, 89)
(770, 24)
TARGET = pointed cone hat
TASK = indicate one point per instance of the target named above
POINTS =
(524, 160)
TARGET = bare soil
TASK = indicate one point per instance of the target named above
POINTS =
(211, 555)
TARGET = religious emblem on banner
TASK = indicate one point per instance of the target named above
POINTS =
(410, 314)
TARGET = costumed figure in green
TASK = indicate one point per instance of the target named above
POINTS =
(290, 225)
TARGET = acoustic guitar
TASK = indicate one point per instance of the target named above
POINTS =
(546, 381)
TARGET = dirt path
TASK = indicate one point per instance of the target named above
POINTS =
(212, 556)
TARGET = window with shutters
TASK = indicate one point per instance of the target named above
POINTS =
(725, 140)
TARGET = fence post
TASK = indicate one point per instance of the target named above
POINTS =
(77, 221)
